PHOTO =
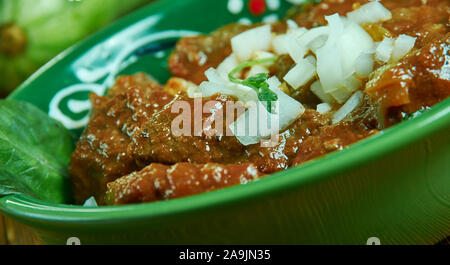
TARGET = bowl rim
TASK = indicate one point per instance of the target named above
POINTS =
(32, 211)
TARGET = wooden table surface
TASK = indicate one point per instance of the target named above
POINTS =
(3, 240)
(13, 233)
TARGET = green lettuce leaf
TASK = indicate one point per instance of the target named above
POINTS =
(34, 153)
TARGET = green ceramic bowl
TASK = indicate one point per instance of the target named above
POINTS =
(394, 186)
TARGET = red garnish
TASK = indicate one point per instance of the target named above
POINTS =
(257, 7)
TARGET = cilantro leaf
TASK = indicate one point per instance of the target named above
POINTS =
(257, 82)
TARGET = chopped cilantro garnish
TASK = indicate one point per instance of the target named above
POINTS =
(257, 82)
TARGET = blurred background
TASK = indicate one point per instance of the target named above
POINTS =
(32, 32)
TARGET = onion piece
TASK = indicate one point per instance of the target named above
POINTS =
(351, 84)
(371, 12)
(243, 93)
(317, 89)
(291, 24)
(297, 32)
(294, 48)
(340, 94)
(315, 38)
(260, 55)
(227, 65)
(403, 44)
(300, 74)
(207, 89)
(219, 85)
(352, 43)
(317, 43)
(354, 101)
(323, 108)
(193, 91)
(289, 108)
(257, 69)
(288, 44)
(337, 60)
(364, 64)
(91, 202)
(279, 44)
(214, 76)
(249, 128)
(329, 66)
(384, 50)
(257, 39)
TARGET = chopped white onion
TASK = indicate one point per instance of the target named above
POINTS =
(317, 43)
(343, 55)
(246, 128)
(193, 91)
(364, 64)
(371, 12)
(257, 39)
(214, 76)
(260, 68)
(219, 85)
(403, 44)
(317, 89)
(291, 24)
(354, 101)
(207, 89)
(295, 49)
(250, 129)
(323, 108)
(352, 43)
(340, 94)
(227, 65)
(260, 55)
(311, 59)
(351, 84)
(91, 202)
(289, 108)
(384, 50)
(301, 74)
(315, 38)
(288, 43)
(297, 32)
(243, 93)
(257, 69)
(279, 44)
(329, 62)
